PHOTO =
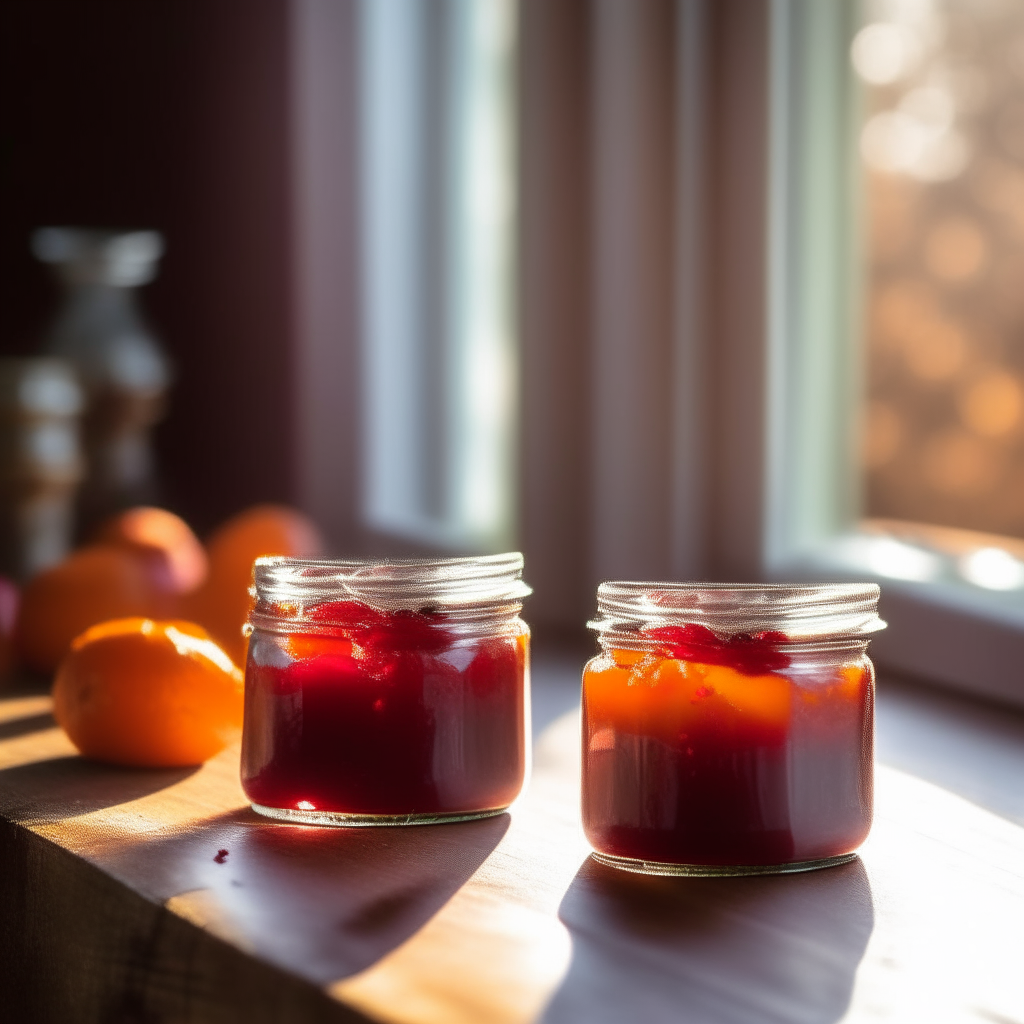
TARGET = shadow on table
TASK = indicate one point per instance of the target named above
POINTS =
(66, 787)
(26, 683)
(27, 724)
(782, 948)
(322, 902)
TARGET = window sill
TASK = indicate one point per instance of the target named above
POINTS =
(941, 628)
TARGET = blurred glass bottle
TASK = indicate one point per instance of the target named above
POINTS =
(40, 462)
(126, 374)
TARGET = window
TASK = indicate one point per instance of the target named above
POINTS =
(893, 378)
(942, 145)
(437, 164)
(691, 217)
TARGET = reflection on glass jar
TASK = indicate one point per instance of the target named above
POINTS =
(101, 331)
(728, 729)
(386, 692)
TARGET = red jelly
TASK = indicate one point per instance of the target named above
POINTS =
(739, 741)
(361, 712)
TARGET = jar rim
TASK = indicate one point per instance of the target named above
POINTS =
(389, 584)
(803, 611)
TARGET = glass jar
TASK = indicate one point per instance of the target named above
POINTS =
(386, 693)
(728, 728)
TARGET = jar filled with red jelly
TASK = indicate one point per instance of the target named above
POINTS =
(728, 728)
(386, 693)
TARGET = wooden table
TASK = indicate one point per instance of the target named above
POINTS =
(134, 896)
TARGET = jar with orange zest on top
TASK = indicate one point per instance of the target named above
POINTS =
(728, 728)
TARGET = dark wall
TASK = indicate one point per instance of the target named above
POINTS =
(170, 114)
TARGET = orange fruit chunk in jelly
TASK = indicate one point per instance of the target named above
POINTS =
(647, 694)
(301, 646)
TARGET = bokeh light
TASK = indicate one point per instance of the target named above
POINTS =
(957, 463)
(991, 405)
(956, 249)
(942, 150)
(883, 53)
(993, 568)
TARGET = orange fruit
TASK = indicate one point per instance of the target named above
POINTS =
(222, 604)
(160, 531)
(98, 582)
(148, 694)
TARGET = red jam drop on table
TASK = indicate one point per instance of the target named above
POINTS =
(715, 751)
(389, 713)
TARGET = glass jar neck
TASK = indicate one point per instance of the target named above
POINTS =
(841, 649)
(463, 596)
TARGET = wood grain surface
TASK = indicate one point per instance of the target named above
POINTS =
(118, 905)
